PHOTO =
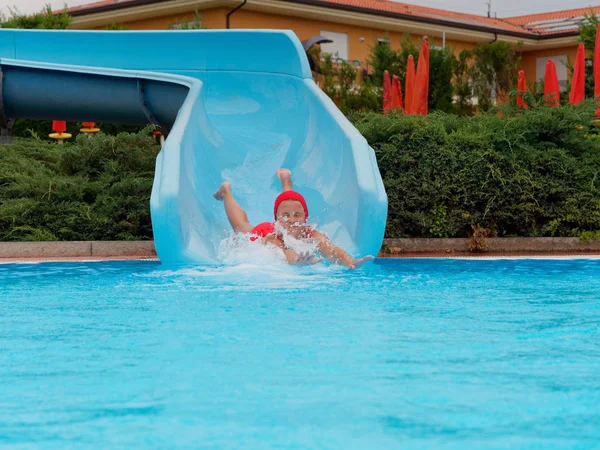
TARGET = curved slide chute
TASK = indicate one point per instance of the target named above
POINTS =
(237, 104)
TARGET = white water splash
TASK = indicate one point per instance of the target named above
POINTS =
(254, 265)
(237, 248)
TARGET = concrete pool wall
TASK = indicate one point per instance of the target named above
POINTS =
(99, 250)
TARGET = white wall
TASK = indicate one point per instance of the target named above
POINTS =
(339, 46)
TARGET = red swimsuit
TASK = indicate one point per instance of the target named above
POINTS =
(264, 229)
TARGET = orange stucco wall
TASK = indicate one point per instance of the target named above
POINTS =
(528, 59)
(211, 18)
(358, 49)
(360, 39)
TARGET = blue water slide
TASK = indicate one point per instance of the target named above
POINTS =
(237, 104)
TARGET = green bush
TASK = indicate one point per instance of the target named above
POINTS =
(338, 81)
(508, 173)
(96, 188)
(442, 68)
(519, 173)
(45, 19)
(493, 68)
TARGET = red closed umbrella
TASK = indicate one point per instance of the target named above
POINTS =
(597, 70)
(578, 81)
(387, 92)
(522, 86)
(396, 93)
(60, 126)
(421, 93)
(551, 86)
(409, 85)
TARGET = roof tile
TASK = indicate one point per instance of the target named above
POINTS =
(534, 24)
(427, 12)
(97, 5)
(553, 22)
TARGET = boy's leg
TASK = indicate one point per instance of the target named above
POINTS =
(285, 176)
(235, 213)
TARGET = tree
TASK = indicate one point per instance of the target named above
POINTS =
(493, 69)
(45, 19)
(587, 35)
(441, 68)
(382, 58)
(442, 63)
(338, 81)
(117, 27)
(587, 30)
(194, 24)
(462, 84)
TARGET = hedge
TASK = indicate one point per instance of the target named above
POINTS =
(514, 173)
(96, 188)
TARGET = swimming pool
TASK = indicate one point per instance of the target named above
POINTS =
(412, 353)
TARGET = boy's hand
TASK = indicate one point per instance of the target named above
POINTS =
(305, 258)
(359, 262)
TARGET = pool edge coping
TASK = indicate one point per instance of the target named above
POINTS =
(72, 251)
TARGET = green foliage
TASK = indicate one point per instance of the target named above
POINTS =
(45, 19)
(338, 81)
(587, 30)
(117, 27)
(442, 63)
(382, 58)
(453, 80)
(517, 173)
(97, 188)
(587, 35)
(493, 69)
(462, 84)
(194, 24)
(361, 98)
(506, 173)
(589, 236)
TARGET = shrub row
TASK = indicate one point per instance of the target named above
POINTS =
(514, 173)
(91, 189)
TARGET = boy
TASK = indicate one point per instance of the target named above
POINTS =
(290, 211)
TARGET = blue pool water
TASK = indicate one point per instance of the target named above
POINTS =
(427, 353)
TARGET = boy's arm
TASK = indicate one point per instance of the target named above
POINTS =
(291, 256)
(336, 254)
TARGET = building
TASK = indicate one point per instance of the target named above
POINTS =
(354, 25)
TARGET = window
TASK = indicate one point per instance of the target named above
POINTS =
(561, 69)
(339, 47)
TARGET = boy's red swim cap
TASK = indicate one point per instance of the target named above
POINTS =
(290, 195)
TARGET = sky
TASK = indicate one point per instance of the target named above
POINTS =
(503, 8)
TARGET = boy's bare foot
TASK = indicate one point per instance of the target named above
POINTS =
(285, 176)
(222, 191)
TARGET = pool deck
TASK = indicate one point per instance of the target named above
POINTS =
(75, 259)
(492, 255)
(424, 255)
(554, 248)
